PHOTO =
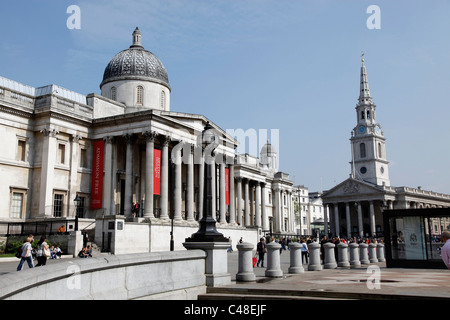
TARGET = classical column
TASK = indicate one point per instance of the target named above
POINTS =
(165, 178)
(360, 221)
(190, 185)
(201, 182)
(74, 164)
(232, 206)
(336, 219)
(129, 174)
(149, 171)
(265, 221)
(239, 201)
(107, 180)
(47, 172)
(373, 230)
(246, 203)
(347, 217)
(276, 213)
(177, 190)
(257, 204)
(325, 219)
(222, 202)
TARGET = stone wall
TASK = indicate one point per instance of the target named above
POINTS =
(165, 275)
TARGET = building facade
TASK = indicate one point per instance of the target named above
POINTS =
(125, 147)
(355, 206)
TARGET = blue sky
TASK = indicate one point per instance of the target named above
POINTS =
(288, 65)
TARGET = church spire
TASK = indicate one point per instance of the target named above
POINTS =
(364, 92)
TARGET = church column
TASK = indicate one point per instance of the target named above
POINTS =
(257, 204)
(165, 178)
(360, 220)
(239, 201)
(222, 205)
(246, 203)
(107, 180)
(325, 218)
(47, 172)
(130, 139)
(347, 217)
(265, 221)
(232, 206)
(190, 185)
(336, 219)
(149, 170)
(372, 219)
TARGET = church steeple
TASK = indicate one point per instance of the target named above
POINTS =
(368, 143)
(364, 92)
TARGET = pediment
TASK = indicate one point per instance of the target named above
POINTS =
(352, 187)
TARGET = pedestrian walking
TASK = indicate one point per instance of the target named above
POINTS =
(445, 250)
(42, 252)
(305, 251)
(26, 253)
(261, 249)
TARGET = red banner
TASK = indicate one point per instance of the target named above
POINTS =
(97, 175)
(157, 172)
(227, 186)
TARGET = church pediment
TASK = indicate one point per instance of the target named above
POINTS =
(351, 187)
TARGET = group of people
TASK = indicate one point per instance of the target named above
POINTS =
(43, 251)
(86, 252)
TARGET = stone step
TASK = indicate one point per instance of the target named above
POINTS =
(231, 296)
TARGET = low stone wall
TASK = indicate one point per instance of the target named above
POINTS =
(158, 275)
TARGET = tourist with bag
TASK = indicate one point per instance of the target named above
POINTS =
(261, 250)
(26, 253)
(43, 252)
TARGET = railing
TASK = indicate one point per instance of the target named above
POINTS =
(36, 227)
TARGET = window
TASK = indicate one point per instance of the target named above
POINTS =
(83, 158)
(163, 100)
(21, 150)
(113, 93)
(379, 150)
(16, 205)
(362, 150)
(61, 153)
(58, 205)
(140, 95)
(362, 115)
(368, 114)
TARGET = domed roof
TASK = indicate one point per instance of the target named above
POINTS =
(136, 63)
(268, 149)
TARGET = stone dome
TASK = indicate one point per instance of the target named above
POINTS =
(136, 63)
(268, 149)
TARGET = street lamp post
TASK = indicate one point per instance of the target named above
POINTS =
(77, 202)
(207, 231)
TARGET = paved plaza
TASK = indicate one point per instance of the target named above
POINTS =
(373, 281)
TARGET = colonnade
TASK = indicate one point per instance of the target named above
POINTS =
(181, 178)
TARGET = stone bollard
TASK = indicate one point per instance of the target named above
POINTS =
(343, 255)
(273, 260)
(245, 263)
(354, 255)
(314, 257)
(329, 261)
(373, 253)
(380, 252)
(296, 258)
(363, 256)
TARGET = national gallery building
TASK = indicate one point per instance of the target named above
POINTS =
(119, 154)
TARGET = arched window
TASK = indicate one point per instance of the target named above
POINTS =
(362, 150)
(140, 95)
(163, 100)
(113, 93)
(362, 115)
(368, 114)
(380, 154)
